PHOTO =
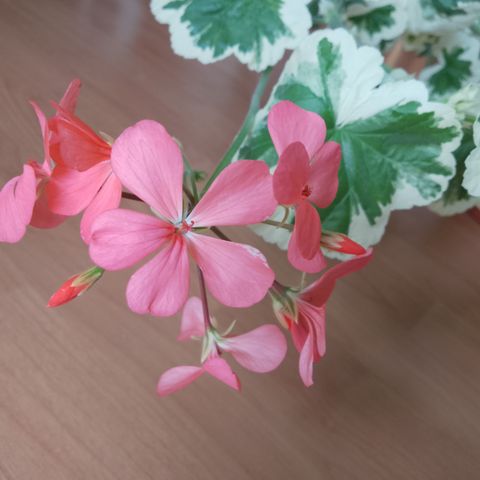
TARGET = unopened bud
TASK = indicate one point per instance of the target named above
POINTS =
(75, 286)
(339, 242)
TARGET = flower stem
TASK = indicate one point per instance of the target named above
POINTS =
(274, 223)
(203, 295)
(131, 196)
(245, 129)
(191, 176)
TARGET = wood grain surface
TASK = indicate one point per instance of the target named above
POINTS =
(396, 397)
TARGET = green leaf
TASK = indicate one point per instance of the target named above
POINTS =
(256, 32)
(397, 147)
(375, 20)
(471, 178)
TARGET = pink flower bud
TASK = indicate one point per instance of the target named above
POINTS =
(341, 243)
(75, 286)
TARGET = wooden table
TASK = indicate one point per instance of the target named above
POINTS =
(398, 394)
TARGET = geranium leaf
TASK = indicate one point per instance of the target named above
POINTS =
(471, 179)
(397, 147)
(256, 32)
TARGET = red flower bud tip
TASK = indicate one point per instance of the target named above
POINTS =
(474, 214)
(75, 286)
(341, 243)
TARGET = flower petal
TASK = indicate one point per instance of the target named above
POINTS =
(260, 350)
(74, 144)
(70, 191)
(17, 199)
(288, 123)
(318, 292)
(323, 179)
(107, 198)
(161, 286)
(149, 163)
(120, 238)
(70, 97)
(237, 275)
(291, 174)
(305, 364)
(42, 120)
(307, 230)
(192, 324)
(220, 369)
(42, 216)
(242, 194)
(177, 378)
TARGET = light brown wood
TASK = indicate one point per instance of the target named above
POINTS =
(396, 397)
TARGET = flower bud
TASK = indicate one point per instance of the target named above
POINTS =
(75, 286)
(339, 242)
(284, 307)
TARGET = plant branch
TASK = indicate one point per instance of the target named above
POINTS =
(274, 223)
(245, 129)
(191, 176)
(203, 295)
(131, 196)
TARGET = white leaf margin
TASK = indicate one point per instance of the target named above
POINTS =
(471, 177)
(361, 95)
(449, 42)
(294, 14)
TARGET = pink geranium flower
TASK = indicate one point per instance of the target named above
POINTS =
(306, 176)
(303, 313)
(23, 200)
(261, 350)
(82, 179)
(149, 163)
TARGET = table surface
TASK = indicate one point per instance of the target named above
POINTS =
(397, 395)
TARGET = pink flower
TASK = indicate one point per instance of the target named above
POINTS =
(261, 350)
(303, 313)
(306, 176)
(82, 179)
(23, 200)
(149, 163)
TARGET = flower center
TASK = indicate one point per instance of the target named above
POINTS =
(306, 192)
(185, 227)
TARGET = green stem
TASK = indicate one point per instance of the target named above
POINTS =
(274, 223)
(245, 128)
(191, 176)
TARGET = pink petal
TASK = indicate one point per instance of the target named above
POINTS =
(149, 163)
(307, 230)
(291, 174)
(42, 120)
(219, 368)
(70, 97)
(260, 350)
(70, 191)
(42, 216)
(237, 275)
(305, 365)
(107, 198)
(120, 238)
(177, 378)
(288, 123)
(318, 292)
(299, 331)
(323, 178)
(242, 194)
(161, 286)
(74, 144)
(17, 199)
(193, 324)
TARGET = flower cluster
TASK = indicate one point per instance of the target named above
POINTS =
(86, 171)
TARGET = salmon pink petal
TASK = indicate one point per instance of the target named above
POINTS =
(17, 199)
(318, 292)
(242, 194)
(295, 257)
(70, 191)
(161, 286)
(307, 230)
(220, 369)
(323, 179)
(42, 120)
(149, 163)
(260, 350)
(305, 365)
(107, 198)
(192, 324)
(120, 238)
(299, 332)
(237, 275)
(291, 175)
(70, 97)
(42, 216)
(74, 144)
(177, 378)
(288, 123)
